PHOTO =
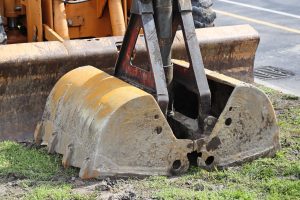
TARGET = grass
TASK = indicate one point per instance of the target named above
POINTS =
(257, 180)
(36, 167)
(289, 121)
(62, 192)
(265, 178)
(21, 162)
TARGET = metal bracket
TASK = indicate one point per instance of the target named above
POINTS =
(195, 72)
(152, 80)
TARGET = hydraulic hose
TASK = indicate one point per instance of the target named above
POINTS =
(163, 16)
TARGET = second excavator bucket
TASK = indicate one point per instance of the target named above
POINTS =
(106, 127)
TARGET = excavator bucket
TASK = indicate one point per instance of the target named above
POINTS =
(106, 127)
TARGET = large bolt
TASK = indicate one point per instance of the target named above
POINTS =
(210, 120)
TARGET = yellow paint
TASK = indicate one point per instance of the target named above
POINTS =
(117, 17)
(51, 35)
(93, 88)
(258, 21)
(60, 19)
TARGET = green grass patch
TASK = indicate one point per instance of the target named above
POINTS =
(289, 110)
(282, 189)
(62, 192)
(214, 193)
(170, 193)
(23, 162)
(244, 183)
(189, 194)
(267, 90)
(289, 120)
(272, 167)
(290, 97)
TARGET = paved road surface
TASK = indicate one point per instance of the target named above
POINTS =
(278, 23)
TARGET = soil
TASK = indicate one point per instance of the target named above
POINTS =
(11, 188)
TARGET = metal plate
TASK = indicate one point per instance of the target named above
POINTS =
(269, 73)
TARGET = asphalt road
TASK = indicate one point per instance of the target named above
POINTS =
(278, 23)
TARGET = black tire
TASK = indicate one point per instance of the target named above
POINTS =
(203, 14)
(3, 37)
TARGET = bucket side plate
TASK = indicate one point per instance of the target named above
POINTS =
(246, 129)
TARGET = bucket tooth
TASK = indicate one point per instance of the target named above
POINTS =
(38, 134)
(86, 171)
(114, 128)
(52, 143)
(67, 156)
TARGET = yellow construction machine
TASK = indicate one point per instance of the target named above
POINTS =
(143, 104)
(58, 20)
(39, 20)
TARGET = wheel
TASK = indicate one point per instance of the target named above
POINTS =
(203, 14)
(3, 37)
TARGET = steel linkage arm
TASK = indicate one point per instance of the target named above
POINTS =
(195, 73)
(160, 20)
(152, 80)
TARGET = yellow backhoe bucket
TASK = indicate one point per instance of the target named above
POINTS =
(107, 127)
